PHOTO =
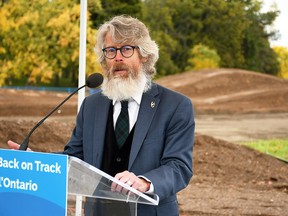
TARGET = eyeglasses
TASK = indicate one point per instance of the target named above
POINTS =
(126, 51)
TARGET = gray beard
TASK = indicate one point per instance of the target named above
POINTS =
(119, 88)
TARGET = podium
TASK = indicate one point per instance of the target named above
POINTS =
(89, 190)
(55, 184)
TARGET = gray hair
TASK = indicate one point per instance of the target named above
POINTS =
(126, 29)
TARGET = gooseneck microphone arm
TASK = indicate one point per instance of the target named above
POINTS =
(24, 144)
(93, 81)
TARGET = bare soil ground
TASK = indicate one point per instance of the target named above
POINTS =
(229, 179)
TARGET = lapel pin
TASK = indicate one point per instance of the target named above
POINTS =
(152, 104)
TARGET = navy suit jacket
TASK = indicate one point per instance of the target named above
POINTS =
(161, 148)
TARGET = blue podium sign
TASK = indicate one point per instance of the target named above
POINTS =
(32, 183)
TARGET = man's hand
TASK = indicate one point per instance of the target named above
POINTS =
(132, 180)
(15, 146)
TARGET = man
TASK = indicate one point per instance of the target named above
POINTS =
(156, 153)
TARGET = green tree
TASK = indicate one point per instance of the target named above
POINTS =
(187, 25)
(202, 57)
(224, 23)
(161, 27)
(282, 54)
(40, 42)
(112, 8)
(47, 35)
(259, 56)
(174, 27)
(235, 29)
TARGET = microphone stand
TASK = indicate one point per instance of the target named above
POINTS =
(25, 143)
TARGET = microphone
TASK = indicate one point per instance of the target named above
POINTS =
(93, 81)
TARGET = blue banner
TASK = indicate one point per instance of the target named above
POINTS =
(32, 183)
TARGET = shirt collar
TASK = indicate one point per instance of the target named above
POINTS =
(137, 98)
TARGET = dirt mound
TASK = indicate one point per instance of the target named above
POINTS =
(229, 179)
(212, 91)
(50, 136)
(34, 103)
(231, 91)
(216, 160)
(221, 162)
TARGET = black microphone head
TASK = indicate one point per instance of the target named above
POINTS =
(94, 80)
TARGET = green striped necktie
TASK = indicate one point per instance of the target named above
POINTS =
(122, 125)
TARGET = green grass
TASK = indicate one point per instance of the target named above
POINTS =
(275, 147)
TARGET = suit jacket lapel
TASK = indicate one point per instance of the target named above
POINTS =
(148, 107)
(100, 122)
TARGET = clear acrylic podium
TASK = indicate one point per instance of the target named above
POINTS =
(89, 191)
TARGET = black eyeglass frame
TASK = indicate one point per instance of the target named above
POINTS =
(104, 50)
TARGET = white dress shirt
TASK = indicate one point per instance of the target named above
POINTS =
(133, 110)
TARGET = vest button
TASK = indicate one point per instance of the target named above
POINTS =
(118, 159)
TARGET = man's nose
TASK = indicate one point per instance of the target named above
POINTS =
(118, 56)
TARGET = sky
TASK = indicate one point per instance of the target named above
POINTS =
(281, 22)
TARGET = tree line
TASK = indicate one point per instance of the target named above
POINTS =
(39, 40)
